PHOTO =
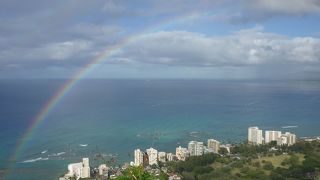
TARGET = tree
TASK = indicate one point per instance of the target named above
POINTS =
(273, 143)
(268, 166)
(136, 173)
(293, 160)
(257, 164)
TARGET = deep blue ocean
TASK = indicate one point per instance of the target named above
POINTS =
(114, 117)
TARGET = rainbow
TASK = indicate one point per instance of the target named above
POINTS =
(69, 84)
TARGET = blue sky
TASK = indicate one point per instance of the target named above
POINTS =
(219, 39)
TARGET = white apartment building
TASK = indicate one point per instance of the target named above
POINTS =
(287, 138)
(86, 168)
(79, 170)
(214, 145)
(182, 153)
(138, 157)
(255, 135)
(152, 155)
(162, 156)
(75, 169)
(103, 169)
(170, 157)
(291, 138)
(195, 148)
(272, 136)
(199, 149)
(282, 140)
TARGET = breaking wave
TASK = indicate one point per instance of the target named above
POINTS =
(35, 160)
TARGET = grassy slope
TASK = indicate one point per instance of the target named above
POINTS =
(275, 160)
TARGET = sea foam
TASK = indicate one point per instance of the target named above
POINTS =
(57, 154)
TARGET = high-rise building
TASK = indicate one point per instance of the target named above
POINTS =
(291, 138)
(192, 148)
(287, 138)
(79, 170)
(103, 169)
(145, 159)
(282, 140)
(255, 135)
(182, 153)
(199, 149)
(152, 155)
(195, 148)
(272, 136)
(138, 157)
(75, 169)
(170, 157)
(85, 162)
(214, 145)
(86, 168)
(162, 156)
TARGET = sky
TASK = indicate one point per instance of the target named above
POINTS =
(209, 39)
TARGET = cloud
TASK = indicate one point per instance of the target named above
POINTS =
(69, 33)
(113, 8)
(56, 54)
(260, 10)
(95, 32)
(60, 50)
(298, 7)
(182, 6)
(28, 45)
(249, 47)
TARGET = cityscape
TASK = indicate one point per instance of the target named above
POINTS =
(151, 157)
(160, 89)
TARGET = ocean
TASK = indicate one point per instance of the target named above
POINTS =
(107, 119)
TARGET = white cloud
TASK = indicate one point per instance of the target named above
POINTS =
(248, 47)
(52, 51)
(251, 47)
(70, 33)
(66, 49)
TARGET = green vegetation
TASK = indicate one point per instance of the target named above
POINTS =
(138, 173)
(135, 173)
(197, 164)
(300, 161)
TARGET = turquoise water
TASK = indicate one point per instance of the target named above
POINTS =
(114, 117)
